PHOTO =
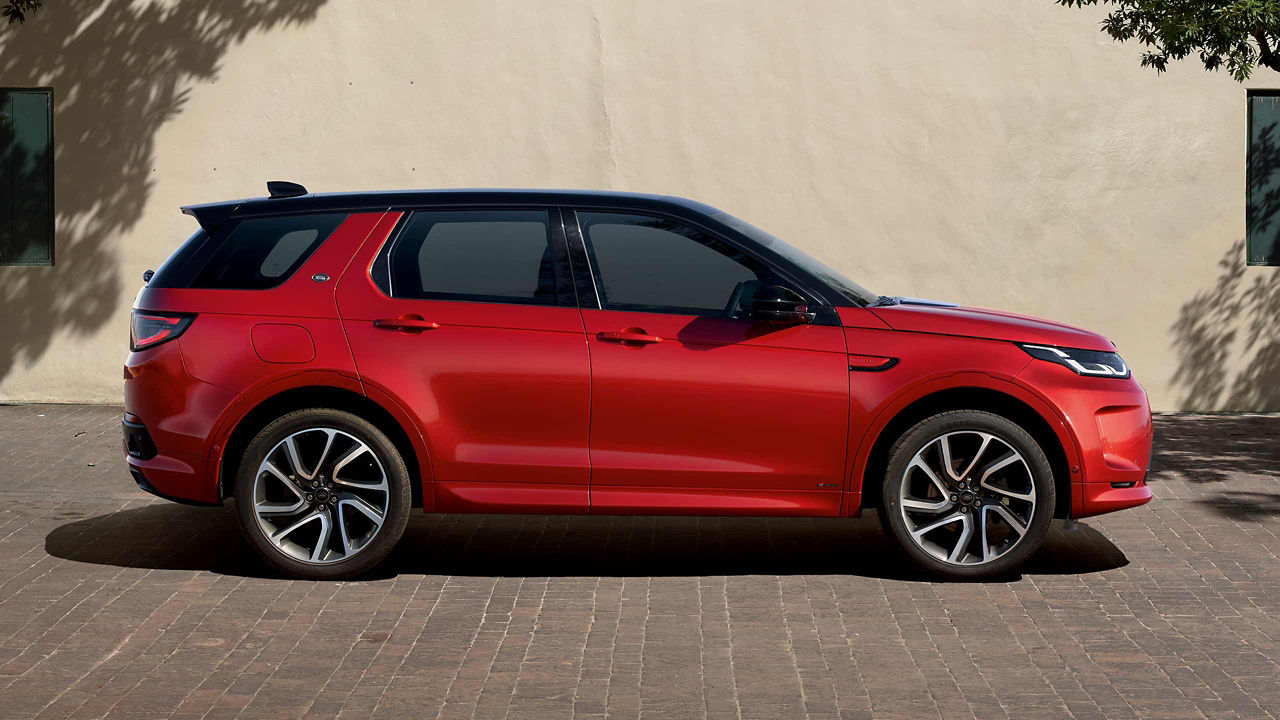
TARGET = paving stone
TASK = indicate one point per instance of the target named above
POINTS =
(116, 604)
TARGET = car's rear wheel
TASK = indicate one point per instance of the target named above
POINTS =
(322, 494)
(968, 494)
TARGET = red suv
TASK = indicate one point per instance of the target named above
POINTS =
(331, 361)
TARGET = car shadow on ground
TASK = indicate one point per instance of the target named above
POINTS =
(175, 537)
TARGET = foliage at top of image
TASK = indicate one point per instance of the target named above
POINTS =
(16, 10)
(1232, 34)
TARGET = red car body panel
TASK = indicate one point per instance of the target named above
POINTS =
(548, 409)
(501, 392)
(712, 406)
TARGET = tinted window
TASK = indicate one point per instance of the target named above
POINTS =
(657, 265)
(841, 284)
(264, 252)
(1262, 211)
(26, 177)
(477, 255)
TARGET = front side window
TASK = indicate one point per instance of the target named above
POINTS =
(501, 256)
(261, 253)
(651, 264)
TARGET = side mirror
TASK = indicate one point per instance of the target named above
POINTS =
(777, 305)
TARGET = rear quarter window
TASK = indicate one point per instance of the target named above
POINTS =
(261, 253)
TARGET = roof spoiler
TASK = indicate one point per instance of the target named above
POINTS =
(211, 215)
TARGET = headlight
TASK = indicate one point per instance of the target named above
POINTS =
(1082, 362)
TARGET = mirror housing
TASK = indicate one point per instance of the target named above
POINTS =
(777, 305)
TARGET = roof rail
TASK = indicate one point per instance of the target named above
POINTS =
(283, 189)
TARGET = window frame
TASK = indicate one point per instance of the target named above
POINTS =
(50, 214)
(585, 273)
(1274, 260)
(566, 294)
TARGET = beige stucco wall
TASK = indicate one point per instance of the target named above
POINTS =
(1000, 154)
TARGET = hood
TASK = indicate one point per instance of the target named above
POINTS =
(946, 319)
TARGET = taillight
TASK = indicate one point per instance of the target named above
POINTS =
(148, 329)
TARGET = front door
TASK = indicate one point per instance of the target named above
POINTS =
(696, 408)
(468, 318)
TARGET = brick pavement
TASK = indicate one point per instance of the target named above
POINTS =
(115, 604)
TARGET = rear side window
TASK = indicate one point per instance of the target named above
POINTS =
(261, 253)
(478, 255)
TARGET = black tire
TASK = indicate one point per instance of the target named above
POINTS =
(399, 493)
(927, 431)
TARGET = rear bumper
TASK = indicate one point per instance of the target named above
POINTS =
(169, 474)
(1110, 420)
(169, 418)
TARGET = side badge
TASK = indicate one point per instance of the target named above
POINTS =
(320, 277)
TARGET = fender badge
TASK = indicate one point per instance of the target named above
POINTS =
(320, 277)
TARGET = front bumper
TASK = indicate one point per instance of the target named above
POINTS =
(1110, 420)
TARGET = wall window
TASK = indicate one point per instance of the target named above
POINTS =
(502, 256)
(26, 176)
(1262, 223)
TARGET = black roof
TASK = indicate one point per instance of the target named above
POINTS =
(211, 215)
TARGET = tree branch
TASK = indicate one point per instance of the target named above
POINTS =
(1266, 56)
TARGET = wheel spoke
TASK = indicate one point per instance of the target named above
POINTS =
(918, 462)
(925, 506)
(292, 486)
(279, 535)
(361, 449)
(982, 531)
(362, 506)
(328, 443)
(1029, 497)
(919, 532)
(962, 544)
(944, 444)
(322, 544)
(997, 465)
(1008, 517)
(342, 532)
(986, 440)
(272, 509)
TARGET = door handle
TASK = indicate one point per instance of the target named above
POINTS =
(406, 323)
(629, 336)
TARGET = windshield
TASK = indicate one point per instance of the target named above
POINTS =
(841, 284)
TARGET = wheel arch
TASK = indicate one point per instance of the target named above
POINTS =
(1049, 432)
(251, 422)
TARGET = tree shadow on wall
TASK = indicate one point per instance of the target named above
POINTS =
(119, 70)
(1236, 316)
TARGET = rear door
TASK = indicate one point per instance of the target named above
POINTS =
(468, 318)
(695, 408)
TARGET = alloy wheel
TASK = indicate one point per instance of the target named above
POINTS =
(321, 495)
(968, 497)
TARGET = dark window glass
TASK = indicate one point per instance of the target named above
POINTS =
(656, 265)
(177, 270)
(264, 252)
(26, 177)
(477, 255)
(1263, 202)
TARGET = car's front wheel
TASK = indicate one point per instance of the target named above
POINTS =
(322, 494)
(968, 494)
